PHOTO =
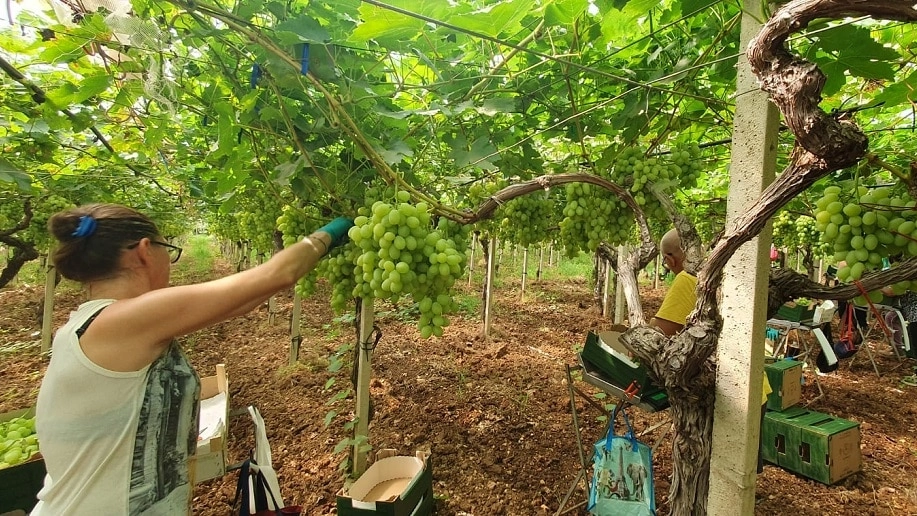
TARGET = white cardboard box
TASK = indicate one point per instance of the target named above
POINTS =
(395, 485)
(210, 459)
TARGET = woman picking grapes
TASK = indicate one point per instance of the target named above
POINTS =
(118, 407)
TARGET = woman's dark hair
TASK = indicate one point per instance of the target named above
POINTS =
(92, 238)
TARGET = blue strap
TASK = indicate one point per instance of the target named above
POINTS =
(304, 59)
(256, 74)
(628, 434)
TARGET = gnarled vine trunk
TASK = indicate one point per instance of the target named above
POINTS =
(684, 364)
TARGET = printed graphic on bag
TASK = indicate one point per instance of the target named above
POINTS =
(622, 477)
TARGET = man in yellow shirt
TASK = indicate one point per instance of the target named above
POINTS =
(679, 302)
(681, 297)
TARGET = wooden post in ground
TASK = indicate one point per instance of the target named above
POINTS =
(620, 303)
(489, 276)
(525, 271)
(609, 289)
(364, 373)
(657, 269)
(540, 263)
(295, 329)
(47, 315)
(740, 353)
(474, 243)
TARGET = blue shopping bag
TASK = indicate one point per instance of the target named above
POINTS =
(622, 475)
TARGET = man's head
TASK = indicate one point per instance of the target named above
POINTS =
(673, 256)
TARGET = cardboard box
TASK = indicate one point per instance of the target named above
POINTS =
(604, 351)
(785, 377)
(816, 445)
(20, 484)
(829, 447)
(395, 485)
(777, 437)
(210, 459)
(653, 400)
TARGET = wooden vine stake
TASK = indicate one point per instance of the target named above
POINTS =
(365, 343)
(540, 263)
(609, 291)
(48, 309)
(657, 270)
(489, 275)
(474, 243)
(295, 328)
(620, 302)
(525, 271)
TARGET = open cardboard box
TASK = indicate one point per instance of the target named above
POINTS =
(395, 485)
(605, 351)
(210, 459)
(20, 484)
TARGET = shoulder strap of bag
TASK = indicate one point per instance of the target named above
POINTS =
(242, 489)
(251, 486)
(629, 430)
(848, 322)
(264, 487)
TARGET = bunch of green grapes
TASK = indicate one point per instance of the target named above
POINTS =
(593, 215)
(402, 252)
(8, 212)
(638, 174)
(294, 224)
(42, 209)
(339, 269)
(526, 220)
(477, 194)
(631, 169)
(864, 226)
(798, 232)
(224, 225)
(685, 165)
(258, 218)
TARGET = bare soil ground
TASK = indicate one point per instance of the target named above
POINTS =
(495, 412)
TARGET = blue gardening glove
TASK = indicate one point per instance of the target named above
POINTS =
(337, 229)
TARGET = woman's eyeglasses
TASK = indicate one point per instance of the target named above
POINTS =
(174, 250)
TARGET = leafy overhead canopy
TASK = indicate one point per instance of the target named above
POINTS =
(314, 99)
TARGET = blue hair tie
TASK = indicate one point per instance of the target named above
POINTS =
(86, 227)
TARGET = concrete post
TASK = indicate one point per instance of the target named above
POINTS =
(740, 354)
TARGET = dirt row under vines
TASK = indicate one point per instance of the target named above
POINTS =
(494, 412)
